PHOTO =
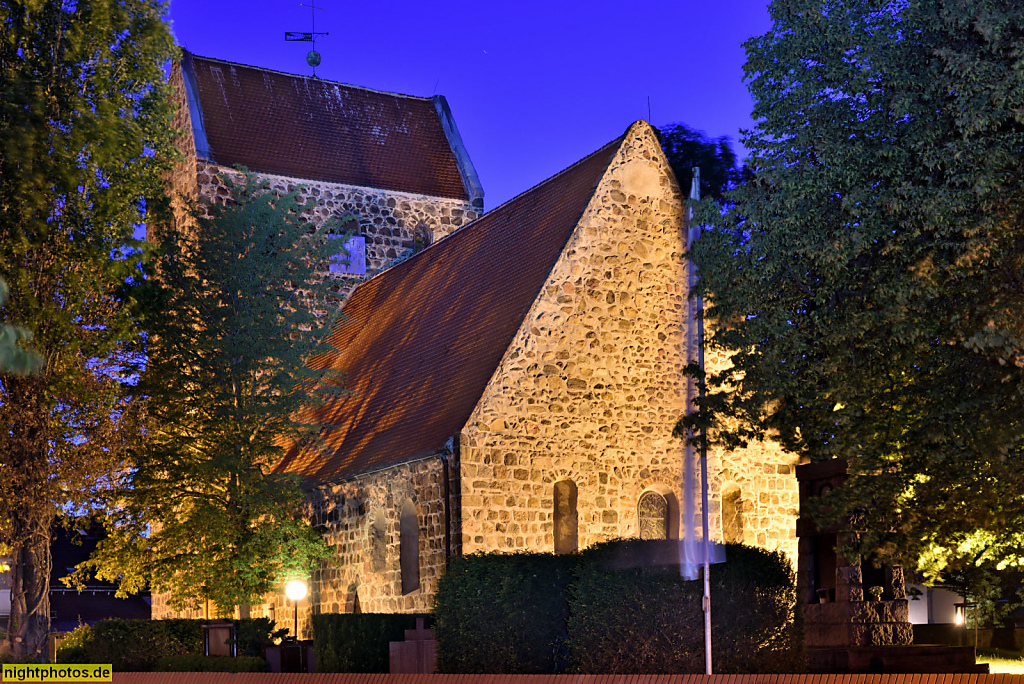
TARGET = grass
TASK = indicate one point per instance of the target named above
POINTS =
(1002, 662)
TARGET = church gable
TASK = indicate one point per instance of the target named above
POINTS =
(571, 442)
(575, 424)
(421, 340)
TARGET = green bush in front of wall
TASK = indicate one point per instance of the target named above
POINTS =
(200, 663)
(618, 607)
(631, 612)
(137, 645)
(357, 642)
(503, 613)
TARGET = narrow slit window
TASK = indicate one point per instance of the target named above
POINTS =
(409, 531)
(566, 517)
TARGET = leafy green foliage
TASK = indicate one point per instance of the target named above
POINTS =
(866, 281)
(131, 645)
(202, 663)
(145, 645)
(244, 305)
(647, 619)
(594, 613)
(503, 613)
(85, 143)
(687, 148)
(357, 642)
(73, 647)
(252, 634)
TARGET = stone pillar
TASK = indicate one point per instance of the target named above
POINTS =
(849, 584)
(897, 584)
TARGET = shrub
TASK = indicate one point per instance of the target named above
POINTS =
(201, 663)
(136, 645)
(74, 646)
(639, 616)
(753, 613)
(503, 613)
(253, 633)
(8, 658)
(357, 642)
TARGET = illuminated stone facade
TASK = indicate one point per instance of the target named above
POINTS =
(593, 384)
(574, 426)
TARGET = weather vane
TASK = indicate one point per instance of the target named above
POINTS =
(312, 57)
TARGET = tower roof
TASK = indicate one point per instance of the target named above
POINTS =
(311, 129)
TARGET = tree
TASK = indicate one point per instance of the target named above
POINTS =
(867, 280)
(244, 306)
(84, 143)
(687, 148)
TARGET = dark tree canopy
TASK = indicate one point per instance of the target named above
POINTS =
(867, 279)
(85, 141)
(687, 148)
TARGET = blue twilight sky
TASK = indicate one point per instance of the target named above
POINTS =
(533, 86)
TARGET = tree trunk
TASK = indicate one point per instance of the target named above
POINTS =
(29, 513)
(29, 622)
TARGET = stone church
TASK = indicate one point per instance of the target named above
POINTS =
(515, 375)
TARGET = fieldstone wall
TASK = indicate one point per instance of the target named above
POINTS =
(387, 219)
(182, 181)
(593, 385)
(754, 494)
(362, 519)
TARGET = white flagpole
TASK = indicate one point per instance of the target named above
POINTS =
(690, 559)
(694, 233)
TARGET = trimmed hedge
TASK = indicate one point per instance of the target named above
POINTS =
(641, 617)
(358, 642)
(618, 607)
(201, 663)
(503, 613)
(132, 645)
(136, 645)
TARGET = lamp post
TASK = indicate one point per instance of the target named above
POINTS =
(296, 591)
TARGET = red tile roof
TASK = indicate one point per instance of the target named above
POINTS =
(312, 129)
(421, 340)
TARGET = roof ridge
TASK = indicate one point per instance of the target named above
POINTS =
(308, 78)
(538, 186)
(617, 141)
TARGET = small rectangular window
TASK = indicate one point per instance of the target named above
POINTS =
(353, 260)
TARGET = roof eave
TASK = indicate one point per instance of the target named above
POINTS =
(195, 109)
(466, 169)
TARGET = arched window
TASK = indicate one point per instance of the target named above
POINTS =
(378, 542)
(732, 514)
(566, 518)
(653, 514)
(409, 552)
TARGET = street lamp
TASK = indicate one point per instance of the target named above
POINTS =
(296, 591)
